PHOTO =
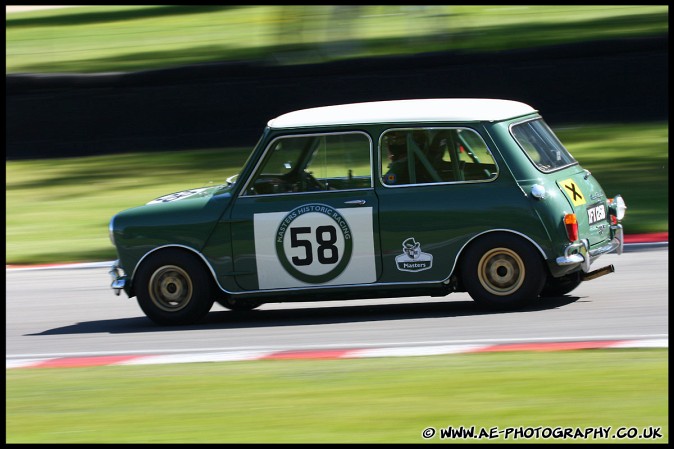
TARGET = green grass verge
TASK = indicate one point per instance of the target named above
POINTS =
(388, 400)
(127, 38)
(58, 210)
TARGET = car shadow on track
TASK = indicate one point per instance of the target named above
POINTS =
(226, 319)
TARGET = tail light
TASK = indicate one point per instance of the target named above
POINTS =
(571, 224)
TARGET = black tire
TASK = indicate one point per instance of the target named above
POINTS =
(239, 305)
(561, 286)
(173, 288)
(502, 271)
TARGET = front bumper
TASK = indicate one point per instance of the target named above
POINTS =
(118, 277)
(580, 253)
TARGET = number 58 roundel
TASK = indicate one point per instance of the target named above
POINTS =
(314, 244)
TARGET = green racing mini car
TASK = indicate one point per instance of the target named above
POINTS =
(370, 200)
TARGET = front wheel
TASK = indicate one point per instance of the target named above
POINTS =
(503, 272)
(173, 288)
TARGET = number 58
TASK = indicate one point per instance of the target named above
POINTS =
(327, 252)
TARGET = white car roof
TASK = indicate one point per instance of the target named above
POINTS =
(420, 110)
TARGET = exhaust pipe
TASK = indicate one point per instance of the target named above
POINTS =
(597, 273)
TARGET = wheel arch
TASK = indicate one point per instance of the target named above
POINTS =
(502, 270)
(464, 249)
(166, 248)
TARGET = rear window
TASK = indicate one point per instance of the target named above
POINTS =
(541, 145)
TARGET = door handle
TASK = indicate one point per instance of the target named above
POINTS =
(355, 202)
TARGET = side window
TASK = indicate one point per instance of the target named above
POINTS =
(314, 163)
(342, 161)
(476, 161)
(434, 155)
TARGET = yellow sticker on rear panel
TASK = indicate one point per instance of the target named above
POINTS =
(572, 191)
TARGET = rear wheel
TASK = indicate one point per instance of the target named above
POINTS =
(173, 288)
(502, 271)
(561, 286)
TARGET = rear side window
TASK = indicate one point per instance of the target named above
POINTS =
(413, 156)
(541, 145)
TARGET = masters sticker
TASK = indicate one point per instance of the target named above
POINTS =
(572, 191)
(412, 259)
(314, 244)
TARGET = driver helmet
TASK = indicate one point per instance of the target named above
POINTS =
(396, 142)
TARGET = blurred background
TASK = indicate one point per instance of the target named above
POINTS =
(108, 107)
(96, 79)
(127, 38)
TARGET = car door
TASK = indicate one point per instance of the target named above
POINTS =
(308, 215)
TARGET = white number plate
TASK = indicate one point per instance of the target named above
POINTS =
(596, 213)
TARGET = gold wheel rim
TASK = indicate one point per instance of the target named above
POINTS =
(170, 288)
(501, 271)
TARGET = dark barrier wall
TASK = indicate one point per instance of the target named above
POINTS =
(220, 105)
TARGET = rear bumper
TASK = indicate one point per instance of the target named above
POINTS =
(580, 252)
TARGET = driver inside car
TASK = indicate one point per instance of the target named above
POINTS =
(398, 172)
